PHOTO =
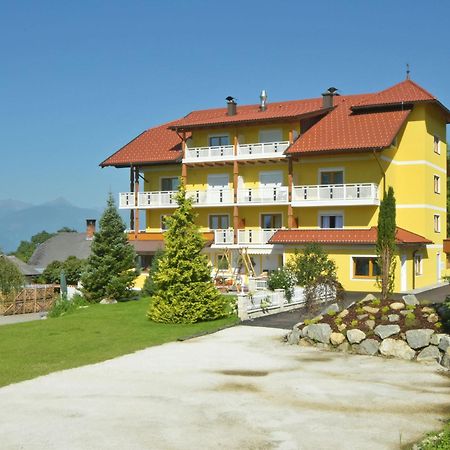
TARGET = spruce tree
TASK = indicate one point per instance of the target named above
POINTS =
(110, 269)
(386, 246)
(183, 288)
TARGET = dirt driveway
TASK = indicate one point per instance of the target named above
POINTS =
(241, 388)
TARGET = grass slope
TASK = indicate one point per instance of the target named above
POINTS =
(87, 336)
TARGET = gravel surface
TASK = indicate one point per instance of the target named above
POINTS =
(241, 388)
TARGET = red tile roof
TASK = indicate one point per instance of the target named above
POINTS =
(405, 92)
(342, 236)
(250, 113)
(343, 129)
(156, 145)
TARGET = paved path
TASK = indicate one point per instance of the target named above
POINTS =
(16, 318)
(241, 388)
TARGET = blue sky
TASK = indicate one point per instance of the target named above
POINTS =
(81, 79)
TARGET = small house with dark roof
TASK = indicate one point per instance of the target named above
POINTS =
(63, 245)
(268, 178)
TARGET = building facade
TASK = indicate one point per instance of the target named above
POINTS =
(269, 178)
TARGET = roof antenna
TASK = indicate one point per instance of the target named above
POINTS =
(407, 71)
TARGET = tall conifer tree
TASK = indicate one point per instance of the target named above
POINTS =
(110, 268)
(386, 246)
(183, 288)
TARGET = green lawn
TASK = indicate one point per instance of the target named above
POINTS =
(87, 336)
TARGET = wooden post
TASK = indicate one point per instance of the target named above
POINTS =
(291, 136)
(290, 182)
(235, 197)
(131, 190)
(136, 199)
(183, 165)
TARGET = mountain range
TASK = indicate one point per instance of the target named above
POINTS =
(20, 220)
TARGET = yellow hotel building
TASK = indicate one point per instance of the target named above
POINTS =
(269, 178)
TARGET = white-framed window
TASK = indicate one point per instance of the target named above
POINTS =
(272, 135)
(331, 176)
(218, 140)
(418, 264)
(437, 223)
(218, 181)
(365, 267)
(271, 220)
(271, 178)
(437, 145)
(437, 184)
(331, 220)
(170, 183)
(219, 221)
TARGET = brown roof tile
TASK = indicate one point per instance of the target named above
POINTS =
(342, 236)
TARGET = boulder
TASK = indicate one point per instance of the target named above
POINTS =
(368, 298)
(303, 331)
(433, 318)
(355, 336)
(343, 313)
(419, 338)
(397, 305)
(108, 301)
(342, 327)
(370, 323)
(371, 310)
(337, 338)
(445, 361)
(436, 338)
(384, 331)
(293, 337)
(444, 343)
(428, 310)
(305, 342)
(410, 299)
(344, 347)
(333, 307)
(397, 349)
(319, 332)
(362, 316)
(404, 312)
(368, 347)
(393, 317)
(430, 353)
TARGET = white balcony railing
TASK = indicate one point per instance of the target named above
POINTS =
(212, 197)
(216, 153)
(265, 195)
(166, 199)
(336, 194)
(244, 151)
(157, 199)
(266, 149)
(255, 236)
(223, 237)
(127, 200)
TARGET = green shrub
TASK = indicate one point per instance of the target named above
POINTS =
(376, 302)
(372, 317)
(338, 320)
(438, 325)
(331, 312)
(149, 285)
(360, 310)
(63, 306)
(385, 309)
(11, 279)
(354, 322)
(410, 307)
(282, 278)
(410, 316)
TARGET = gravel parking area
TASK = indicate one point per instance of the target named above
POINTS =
(241, 388)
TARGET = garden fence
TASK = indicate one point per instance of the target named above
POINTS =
(31, 299)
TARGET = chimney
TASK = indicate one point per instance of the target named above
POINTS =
(90, 229)
(263, 98)
(328, 98)
(231, 106)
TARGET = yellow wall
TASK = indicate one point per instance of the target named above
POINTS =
(246, 135)
(354, 216)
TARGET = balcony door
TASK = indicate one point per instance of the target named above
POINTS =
(270, 182)
(274, 135)
(270, 221)
(331, 177)
(217, 183)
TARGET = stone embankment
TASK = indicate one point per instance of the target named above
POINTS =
(404, 330)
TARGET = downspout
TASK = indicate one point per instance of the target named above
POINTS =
(414, 253)
(383, 173)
